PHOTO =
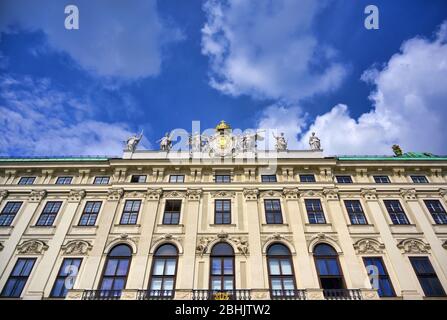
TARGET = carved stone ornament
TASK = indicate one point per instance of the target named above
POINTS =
(166, 237)
(291, 193)
(76, 247)
(223, 194)
(368, 246)
(32, 247)
(276, 237)
(251, 194)
(115, 194)
(76, 195)
(413, 246)
(134, 194)
(194, 194)
(202, 244)
(241, 243)
(330, 193)
(271, 193)
(37, 195)
(408, 194)
(3, 194)
(123, 237)
(174, 194)
(310, 193)
(443, 192)
(369, 194)
(153, 194)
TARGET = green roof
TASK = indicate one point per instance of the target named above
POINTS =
(57, 159)
(418, 156)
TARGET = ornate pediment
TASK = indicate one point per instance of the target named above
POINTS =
(251, 193)
(122, 238)
(174, 194)
(413, 245)
(310, 193)
(135, 194)
(153, 194)
(368, 246)
(271, 193)
(115, 194)
(32, 247)
(223, 194)
(76, 195)
(37, 195)
(76, 247)
(240, 243)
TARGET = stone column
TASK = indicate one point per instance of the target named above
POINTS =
(105, 223)
(22, 222)
(256, 261)
(185, 276)
(36, 288)
(139, 265)
(402, 269)
(304, 270)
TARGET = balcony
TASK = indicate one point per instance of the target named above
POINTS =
(101, 295)
(155, 294)
(221, 294)
(342, 294)
(288, 294)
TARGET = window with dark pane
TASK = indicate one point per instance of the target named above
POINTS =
(164, 271)
(382, 179)
(90, 213)
(9, 212)
(396, 212)
(280, 270)
(385, 287)
(49, 213)
(27, 180)
(172, 212)
(355, 212)
(222, 178)
(343, 179)
(138, 179)
(315, 211)
(176, 178)
(130, 212)
(419, 179)
(222, 267)
(273, 214)
(222, 211)
(18, 278)
(268, 178)
(66, 277)
(437, 211)
(102, 180)
(64, 180)
(116, 269)
(307, 178)
(427, 277)
(328, 267)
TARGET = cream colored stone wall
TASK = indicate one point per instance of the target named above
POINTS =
(247, 194)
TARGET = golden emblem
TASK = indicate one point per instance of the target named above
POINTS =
(221, 296)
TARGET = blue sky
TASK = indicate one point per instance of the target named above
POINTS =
(294, 66)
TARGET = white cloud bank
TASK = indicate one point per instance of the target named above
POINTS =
(410, 107)
(116, 38)
(37, 120)
(266, 49)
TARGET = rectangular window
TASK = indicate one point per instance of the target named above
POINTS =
(355, 211)
(64, 180)
(376, 270)
(138, 179)
(9, 212)
(382, 179)
(222, 211)
(396, 212)
(343, 179)
(273, 214)
(26, 180)
(221, 178)
(419, 179)
(101, 180)
(427, 277)
(307, 178)
(268, 178)
(176, 178)
(90, 213)
(69, 268)
(49, 213)
(315, 211)
(436, 209)
(172, 212)
(130, 212)
(18, 278)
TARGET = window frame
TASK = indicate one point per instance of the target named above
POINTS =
(432, 275)
(64, 179)
(45, 217)
(138, 178)
(163, 277)
(223, 213)
(303, 178)
(59, 276)
(269, 178)
(397, 215)
(382, 179)
(341, 179)
(327, 257)
(174, 178)
(385, 276)
(417, 179)
(164, 221)
(89, 214)
(24, 181)
(223, 176)
(127, 217)
(114, 277)
(314, 212)
(9, 216)
(222, 274)
(281, 276)
(274, 214)
(99, 180)
(356, 215)
(18, 278)
(440, 218)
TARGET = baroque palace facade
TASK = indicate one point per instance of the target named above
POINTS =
(169, 225)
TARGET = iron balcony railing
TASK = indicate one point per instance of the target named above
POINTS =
(288, 294)
(101, 295)
(155, 294)
(241, 294)
(342, 294)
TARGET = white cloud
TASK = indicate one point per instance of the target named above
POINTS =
(37, 120)
(266, 49)
(409, 106)
(115, 38)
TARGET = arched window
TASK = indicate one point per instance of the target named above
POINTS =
(115, 272)
(163, 271)
(222, 267)
(280, 268)
(328, 267)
